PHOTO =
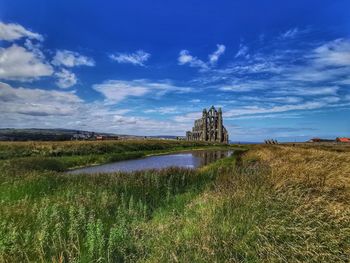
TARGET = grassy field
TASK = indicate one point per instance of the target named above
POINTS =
(268, 204)
(60, 156)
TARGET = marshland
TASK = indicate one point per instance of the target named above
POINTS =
(265, 203)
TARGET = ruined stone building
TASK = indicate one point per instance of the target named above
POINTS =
(209, 128)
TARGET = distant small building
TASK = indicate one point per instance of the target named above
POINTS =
(320, 140)
(106, 137)
(315, 140)
(343, 139)
(82, 136)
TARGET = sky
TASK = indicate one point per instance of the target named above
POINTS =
(279, 69)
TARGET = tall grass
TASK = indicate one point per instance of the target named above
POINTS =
(271, 204)
(85, 217)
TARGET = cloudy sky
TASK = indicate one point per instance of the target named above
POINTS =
(279, 69)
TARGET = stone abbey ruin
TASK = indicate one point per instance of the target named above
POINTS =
(209, 128)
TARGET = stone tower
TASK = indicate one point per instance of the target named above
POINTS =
(220, 125)
(209, 128)
(204, 125)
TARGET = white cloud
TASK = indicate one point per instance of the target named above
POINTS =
(28, 63)
(245, 85)
(36, 102)
(308, 91)
(66, 79)
(188, 117)
(137, 58)
(313, 74)
(242, 51)
(145, 126)
(39, 108)
(117, 121)
(18, 63)
(309, 105)
(71, 59)
(329, 99)
(11, 32)
(333, 53)
(291, 33)
(23, 107)
(287, 115)
(274, 69)
(278, 87)
(164, 110)
(35, 48)
(186, 58)
(252, 68)
(117, 90)
(214, 57)
(285, 99)
(344, 81)
(314, 71)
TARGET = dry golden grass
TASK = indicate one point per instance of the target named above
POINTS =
(322, 170)
(280, 204)
(314, 184)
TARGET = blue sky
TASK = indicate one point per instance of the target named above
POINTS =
(278, 69)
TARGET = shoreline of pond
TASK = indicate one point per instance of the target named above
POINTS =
(190, 154)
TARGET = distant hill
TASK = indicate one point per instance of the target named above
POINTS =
(243, 142)
(32, 134)
(44, 134)
(165, 137)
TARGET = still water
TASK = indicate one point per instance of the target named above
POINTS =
(193, 159)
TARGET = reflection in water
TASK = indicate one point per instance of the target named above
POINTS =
(192, 159)
(207, 157)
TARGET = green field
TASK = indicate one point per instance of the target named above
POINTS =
(267, 204)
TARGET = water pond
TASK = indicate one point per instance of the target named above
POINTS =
(193, 159)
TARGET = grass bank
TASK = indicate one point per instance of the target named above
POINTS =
(17, 157)
(81, 148)
(270, 204)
